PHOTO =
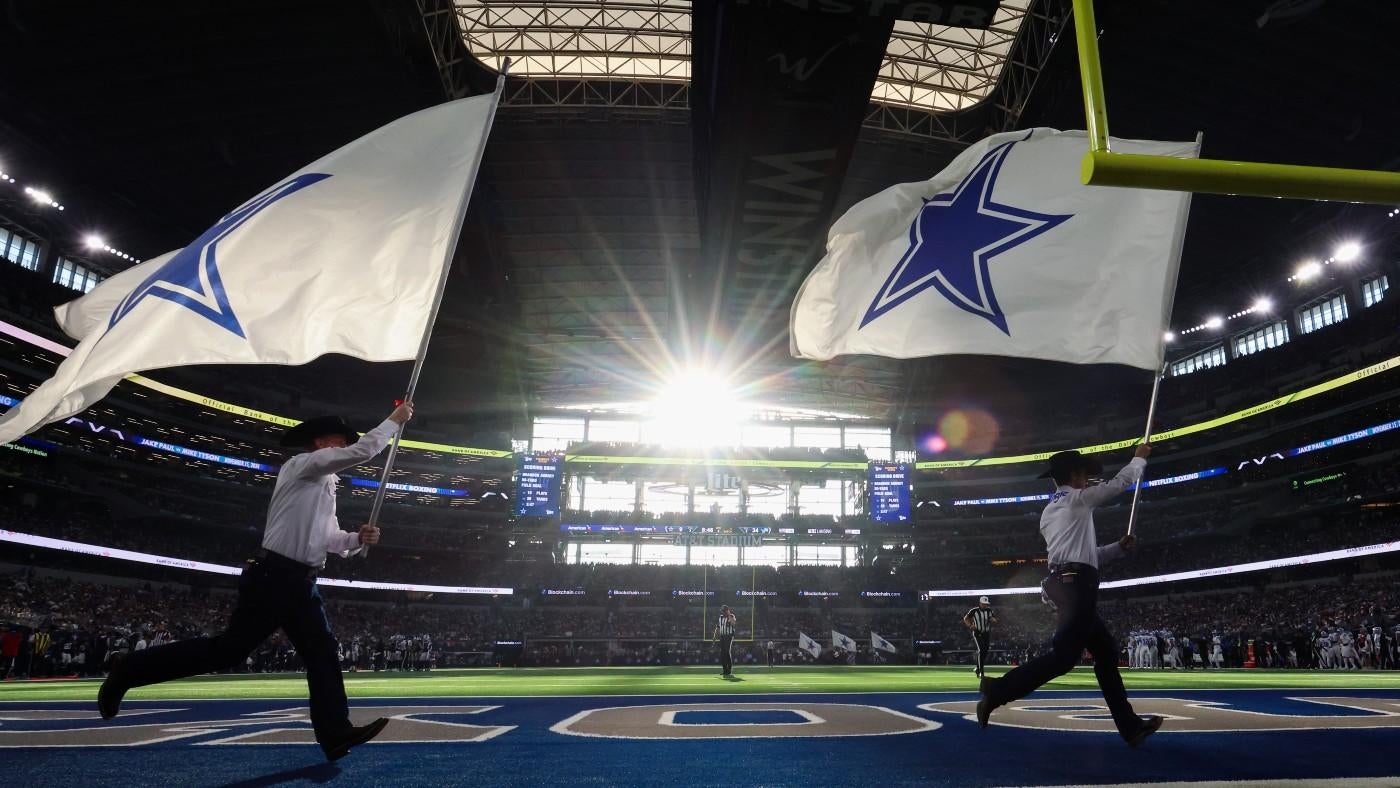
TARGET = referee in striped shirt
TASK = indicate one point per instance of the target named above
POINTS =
(979, 621)
(724, 633)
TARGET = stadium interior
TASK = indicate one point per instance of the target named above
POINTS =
(612, 440)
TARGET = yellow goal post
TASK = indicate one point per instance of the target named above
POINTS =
(1103, 167)
(706, 626)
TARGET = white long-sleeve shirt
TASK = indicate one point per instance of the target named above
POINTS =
(1068, 522)
(301, 521)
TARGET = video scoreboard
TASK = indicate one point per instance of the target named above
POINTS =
(889, 492)
(538, 478)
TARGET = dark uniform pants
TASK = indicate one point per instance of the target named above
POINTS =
(272, 593)
(1075, 593)
(726, 645)
(984, 648)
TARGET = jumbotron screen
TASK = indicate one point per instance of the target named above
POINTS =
(537, 482)
(889, 492)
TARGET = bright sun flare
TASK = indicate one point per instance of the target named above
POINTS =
(696, 409)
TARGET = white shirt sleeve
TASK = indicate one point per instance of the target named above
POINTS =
(1100, 494)
(342, 543)
(326, 461)
(1110, 552)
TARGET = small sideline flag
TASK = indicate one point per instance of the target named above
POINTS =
(880, 644)
(842, 642)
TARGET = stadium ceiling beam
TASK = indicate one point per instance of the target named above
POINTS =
(594, 93)
(611, 55)
(461, 74)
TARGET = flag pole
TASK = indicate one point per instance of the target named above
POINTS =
(437, 297)
(1178, 243)
(1147, 435)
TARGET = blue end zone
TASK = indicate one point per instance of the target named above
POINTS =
(947, 750)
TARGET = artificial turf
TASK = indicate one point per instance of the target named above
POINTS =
(525, 682)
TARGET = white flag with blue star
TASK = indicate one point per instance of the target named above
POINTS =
(842, 642)
(809, 645)
(1002, 253)
(878, 643)
(342, 257)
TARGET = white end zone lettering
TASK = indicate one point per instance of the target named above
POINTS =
(818, 719)
(407, 725)
(1089, 715)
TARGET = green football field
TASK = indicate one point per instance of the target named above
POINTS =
(683, 681)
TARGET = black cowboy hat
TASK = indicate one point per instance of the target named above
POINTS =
(1064, 463)
(303, 434)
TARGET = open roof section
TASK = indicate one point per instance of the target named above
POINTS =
(637, 53)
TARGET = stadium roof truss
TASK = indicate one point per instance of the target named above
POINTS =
(637, 54)
(594, 232)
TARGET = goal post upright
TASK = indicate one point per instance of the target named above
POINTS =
(1102, 167)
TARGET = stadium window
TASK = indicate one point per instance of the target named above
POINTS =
(708, 555)
(821, 500)
(768, 499)
(765, 436)
(661, 554)
(1374, 290)
(853, 493)
(1270, 336)
(19, 250)
(766, 555)
(1312, 318)
(665, 498)
(875, 441)
(1206, 359)
(816, 437)
(74, 276)
(604, 496)
(614, 431)
(555, 434)
(717, 503)
(820, 555)
(574, 500)
(594, 553)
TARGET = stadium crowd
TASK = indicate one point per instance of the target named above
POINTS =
(57, 625)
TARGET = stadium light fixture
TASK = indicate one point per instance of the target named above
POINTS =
(1347, 252)
(1263, 305)
(42, 197)
(1215, 321)
(1308, 270)
(94, 241)
(1169, 337)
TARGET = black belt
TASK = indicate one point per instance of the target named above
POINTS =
(281, 563)
(1072, 566)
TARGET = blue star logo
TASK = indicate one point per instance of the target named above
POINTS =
(191, 277)
(953, 238)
